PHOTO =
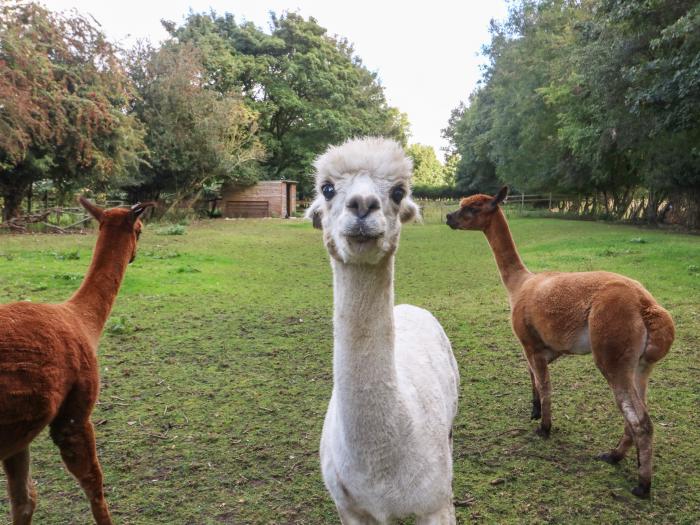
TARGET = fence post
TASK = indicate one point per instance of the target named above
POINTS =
(550, 201)
(522, 202)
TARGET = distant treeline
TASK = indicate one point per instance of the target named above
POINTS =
(219, 101)
(595, 98)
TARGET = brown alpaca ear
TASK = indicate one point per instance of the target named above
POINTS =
(91, 208)
(138, 209)
(500, 197)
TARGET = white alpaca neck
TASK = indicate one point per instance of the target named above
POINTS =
(364, 373)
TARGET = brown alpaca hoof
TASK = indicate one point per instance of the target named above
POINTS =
(543, 432)
(610, 457)
(642, 490)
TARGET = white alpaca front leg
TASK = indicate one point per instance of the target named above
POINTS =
(349, 517)
(445, 516)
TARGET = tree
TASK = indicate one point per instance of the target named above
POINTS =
(595, 97)
(308, 88)
(427, 169)
(468, 132)
(64, 100)
(450, 169)
(195, 135)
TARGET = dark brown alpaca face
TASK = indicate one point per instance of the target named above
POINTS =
(476, 211)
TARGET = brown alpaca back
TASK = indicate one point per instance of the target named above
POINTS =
(557, 305)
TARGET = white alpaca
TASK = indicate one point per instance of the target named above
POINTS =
(386, 448)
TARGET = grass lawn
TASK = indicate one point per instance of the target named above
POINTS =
(216, 372)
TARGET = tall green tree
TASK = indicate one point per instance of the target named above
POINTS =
(309, 88)
(195, 135)
(427, 169)
(468, 131)
(595, 97)
(63, 112)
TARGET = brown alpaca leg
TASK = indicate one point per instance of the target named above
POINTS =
(617, 353)
(76, 441)
(637, 418)
(536, 403)
(620, 451)
(641, 380)
(540, 371)
(20, 487)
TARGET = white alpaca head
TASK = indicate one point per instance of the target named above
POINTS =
(363, 195)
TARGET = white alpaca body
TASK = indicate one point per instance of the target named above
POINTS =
(386, 449)
(403, 465)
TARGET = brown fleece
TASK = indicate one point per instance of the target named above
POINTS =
(553, 314)
(49, 371)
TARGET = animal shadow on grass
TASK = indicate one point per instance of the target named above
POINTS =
(507, 455)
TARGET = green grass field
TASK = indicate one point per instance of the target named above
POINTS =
(216, 371)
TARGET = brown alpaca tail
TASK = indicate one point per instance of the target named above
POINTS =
(661, 332)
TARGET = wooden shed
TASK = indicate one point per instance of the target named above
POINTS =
(267, 198)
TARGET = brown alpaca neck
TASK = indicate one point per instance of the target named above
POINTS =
(94, 299)
(513, 271)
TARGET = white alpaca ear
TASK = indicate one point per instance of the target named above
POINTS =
(409, 211)
(315, 212)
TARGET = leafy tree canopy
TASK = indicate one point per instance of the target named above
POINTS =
(195, 135)
(593, 97)
(65, 96)
(308, 88)
(427, 169)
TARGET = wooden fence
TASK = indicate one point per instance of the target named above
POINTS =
(53, 220)
(435, 211)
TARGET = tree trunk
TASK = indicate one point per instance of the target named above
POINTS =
(30, 194)
(12, 199)
(652, 207)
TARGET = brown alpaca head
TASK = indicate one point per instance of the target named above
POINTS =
(475, 212)
(117, 221)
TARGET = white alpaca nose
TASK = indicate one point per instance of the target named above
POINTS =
(362, 205)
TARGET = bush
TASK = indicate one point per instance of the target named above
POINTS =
(181, 216)
(118, 326)
(173, 229)
(72, 255)
(437, 192)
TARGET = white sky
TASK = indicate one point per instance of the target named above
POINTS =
(426, 54)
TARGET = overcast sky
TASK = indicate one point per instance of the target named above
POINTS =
(426, 54)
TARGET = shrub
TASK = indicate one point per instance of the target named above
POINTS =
(72, 255)
(437, 192)
(173, 229)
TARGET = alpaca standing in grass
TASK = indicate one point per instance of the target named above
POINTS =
(49, 371)
(386, 448)
(602, 313)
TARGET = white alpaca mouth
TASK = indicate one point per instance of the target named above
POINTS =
(363, 232)
(363, 237)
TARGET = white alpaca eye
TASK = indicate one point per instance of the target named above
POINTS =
(397, 194)
(328, 191)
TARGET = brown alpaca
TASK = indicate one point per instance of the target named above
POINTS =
(603, 313)
(49, 372)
